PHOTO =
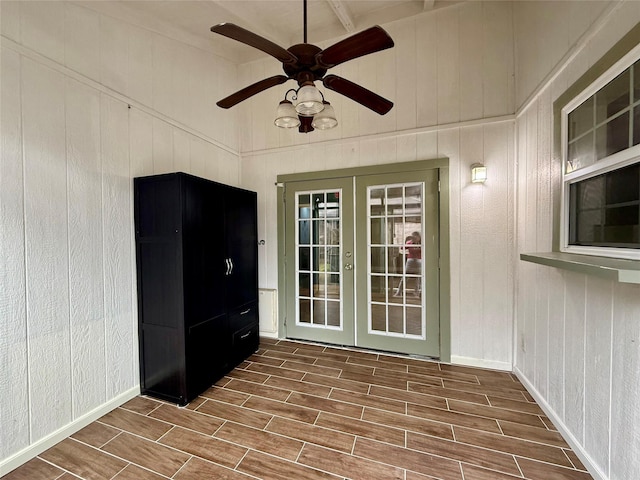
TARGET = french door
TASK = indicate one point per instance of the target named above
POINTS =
(362, 261)
(319, 261)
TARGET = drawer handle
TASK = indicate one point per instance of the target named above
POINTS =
(242, 337)
(245, 312)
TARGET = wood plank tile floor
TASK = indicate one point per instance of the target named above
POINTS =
(298, 411)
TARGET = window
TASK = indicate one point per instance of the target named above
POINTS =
(601, 165)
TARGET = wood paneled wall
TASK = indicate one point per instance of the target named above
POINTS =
(481, 230)
(577, 336)
(88, 103)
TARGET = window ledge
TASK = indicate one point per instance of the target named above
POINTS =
(618, 269)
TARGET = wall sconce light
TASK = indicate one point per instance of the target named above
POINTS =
(478, 173)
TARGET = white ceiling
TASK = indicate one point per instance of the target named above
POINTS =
(281, 21)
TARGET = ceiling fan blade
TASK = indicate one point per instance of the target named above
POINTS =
(357, 93)
(245, 36)
(251, 90)
(368, 41)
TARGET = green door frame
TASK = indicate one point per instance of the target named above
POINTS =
(442, 165)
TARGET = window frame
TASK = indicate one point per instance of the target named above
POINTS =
(608, 164)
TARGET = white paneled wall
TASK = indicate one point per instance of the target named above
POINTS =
(481, 221)
(577, 336)
(84, 110)
(450, 65)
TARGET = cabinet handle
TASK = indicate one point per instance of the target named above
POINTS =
(231, 263)
(245, 335)
(245, 312)
(226, 261)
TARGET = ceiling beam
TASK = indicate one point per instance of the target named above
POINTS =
(340, 9)
(428, 5)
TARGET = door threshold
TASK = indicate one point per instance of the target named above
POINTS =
(359, 349)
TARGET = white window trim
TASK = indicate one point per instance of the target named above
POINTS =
(608, 164)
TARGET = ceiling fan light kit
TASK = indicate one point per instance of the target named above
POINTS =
(286, 115)
(326, 119)
(309, 100)
(306, 64)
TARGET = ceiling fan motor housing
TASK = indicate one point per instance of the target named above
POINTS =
(306, 68)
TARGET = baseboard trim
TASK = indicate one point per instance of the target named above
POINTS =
(35, 449)
(578, 449)
(266, 334)
(481, 363)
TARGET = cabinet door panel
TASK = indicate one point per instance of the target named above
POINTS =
(242, 247)
(207, 353)
(158, 207)
(162, 362)
(203, 251)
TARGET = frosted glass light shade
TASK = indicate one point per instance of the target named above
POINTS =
(309, 101)
(286, 115)
(325, 119)
(478, 173)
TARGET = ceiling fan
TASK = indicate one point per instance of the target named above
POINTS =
(306, 63)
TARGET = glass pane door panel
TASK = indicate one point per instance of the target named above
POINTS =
(318, 260)
(395, 268)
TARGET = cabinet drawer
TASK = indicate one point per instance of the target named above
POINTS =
(245, 342)
(243, 317)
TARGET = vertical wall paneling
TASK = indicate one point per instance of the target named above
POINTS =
(140, 66)
(163, 62)
(574, 350)
(86, 287)
(10, 20)
(405, 66)
(471, 88)
(497, 281)
(212, 165)
(448, 62)
(47, 262)
(181, 151)
(388, 83)
(497, 59)
(369, 77)
(162, 147)
(260, 118)
(521, 146)
(597, 388)
(14, 385)
(625, 416)
(426, 74)
(556, 358)
(69, 150)
(42, 28)
(543, 205)
(583, 357)
(529, 271)
(140, 143)
(118, 228)
(114, 54)
(198, 157)
(348, 120)
(472, 241)
(82, 40)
